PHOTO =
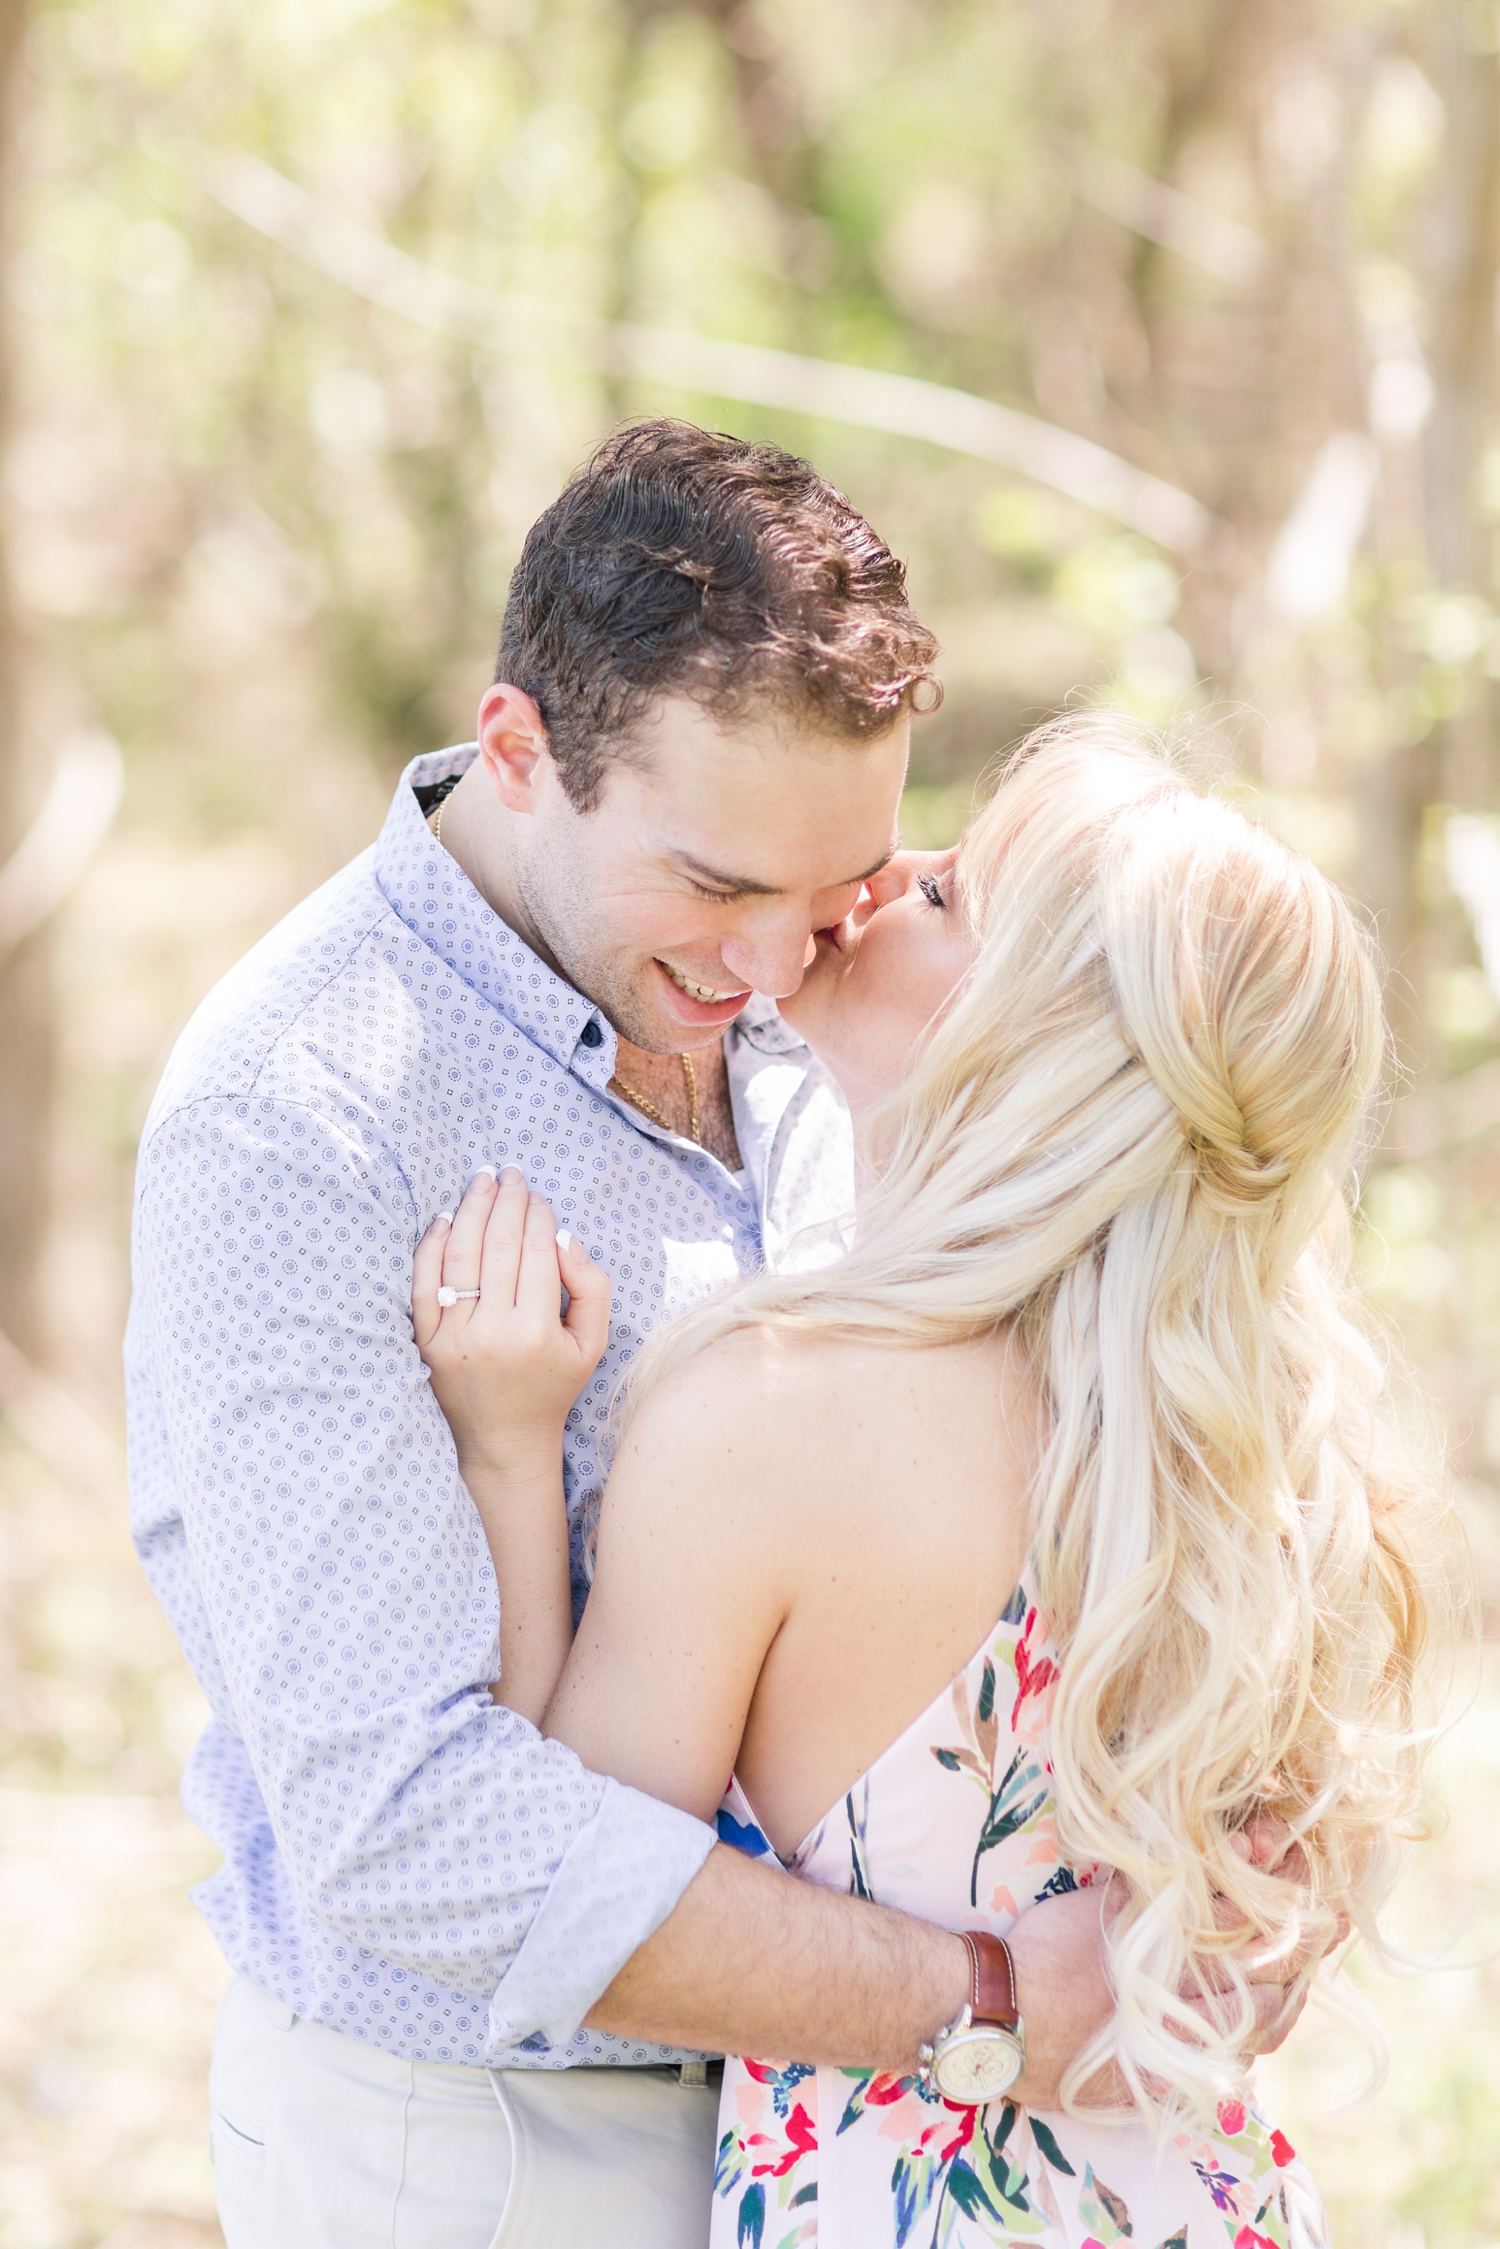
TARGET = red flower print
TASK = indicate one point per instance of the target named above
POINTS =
(763, 2072)
(1248, 2238)
(947, 2117)
(1031, 1678)
(881, 2091)
(962, 2136)
(1232, 2117)
(804, 2141)
(1283, 2150)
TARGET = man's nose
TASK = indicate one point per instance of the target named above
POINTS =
(770, 954)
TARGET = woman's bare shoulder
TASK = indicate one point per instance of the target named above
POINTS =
(770, 1396)
(738, 1388)
(806, 1451)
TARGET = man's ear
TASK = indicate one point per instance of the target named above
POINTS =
(513, 745)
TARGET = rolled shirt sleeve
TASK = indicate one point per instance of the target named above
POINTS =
(299, 1508)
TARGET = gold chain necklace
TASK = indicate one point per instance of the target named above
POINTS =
(649, 1108)
(436, 822)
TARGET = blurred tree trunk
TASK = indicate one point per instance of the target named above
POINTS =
(1456, 244)
(25, 1011)
(781, 158)
(1459, 247)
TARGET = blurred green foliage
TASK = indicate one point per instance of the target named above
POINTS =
(882, 185)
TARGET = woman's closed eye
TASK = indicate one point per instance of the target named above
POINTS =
(932, 891)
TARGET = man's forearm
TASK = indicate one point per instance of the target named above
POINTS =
(753, 1962)
(750, 1961)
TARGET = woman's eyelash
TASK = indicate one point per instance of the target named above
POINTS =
(928, 885)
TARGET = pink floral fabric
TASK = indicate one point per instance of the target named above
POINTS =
(956, 1822)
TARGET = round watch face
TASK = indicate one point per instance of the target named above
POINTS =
(978, 2065)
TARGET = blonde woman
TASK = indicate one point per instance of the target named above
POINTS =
(1054, 1528)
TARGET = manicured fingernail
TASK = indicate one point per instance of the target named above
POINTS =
(443, 1218)
(512, 1171)
(484, 1172)
(564, 1240)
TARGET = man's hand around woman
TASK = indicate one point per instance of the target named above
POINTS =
(1280, 1981)
(1062, 1973)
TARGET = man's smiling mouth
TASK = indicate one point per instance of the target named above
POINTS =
(704, 994)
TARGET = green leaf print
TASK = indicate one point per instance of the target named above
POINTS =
(983, 2182)
(1007, 1813)
(731, 2165)
(976, 1754)
(1178, 2240)
(1048, 2147)
(915, 2177)
(1104, 2212)
(752, 2217)
(986, 1728)
(1272, 2221)
(1040, 2182)
(964, 2189)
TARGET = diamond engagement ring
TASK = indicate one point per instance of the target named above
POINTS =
(447, 1296)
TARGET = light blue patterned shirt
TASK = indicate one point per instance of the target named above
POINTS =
(405, 1860)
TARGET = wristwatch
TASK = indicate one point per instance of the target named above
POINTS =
(980, 2056)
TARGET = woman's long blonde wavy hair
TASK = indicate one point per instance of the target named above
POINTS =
(1131, 1141)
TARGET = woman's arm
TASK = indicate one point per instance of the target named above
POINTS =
(694, 1574)
(506, 1366)
(704, 1532)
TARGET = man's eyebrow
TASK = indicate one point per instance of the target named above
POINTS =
(883, 861)
(744, 887)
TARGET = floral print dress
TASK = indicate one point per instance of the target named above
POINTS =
(955, 1823)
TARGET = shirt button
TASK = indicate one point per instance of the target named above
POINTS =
(591, 1034)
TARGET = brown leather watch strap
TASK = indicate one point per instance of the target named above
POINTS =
(992, 1995)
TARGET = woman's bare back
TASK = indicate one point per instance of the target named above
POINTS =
(910, 1469)
(801, 1543)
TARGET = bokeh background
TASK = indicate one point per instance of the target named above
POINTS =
(1159, 335)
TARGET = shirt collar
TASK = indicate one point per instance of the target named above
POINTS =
(761, 1025)
(433, 896)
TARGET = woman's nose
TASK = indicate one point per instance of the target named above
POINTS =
(771, 957)
(894, 878)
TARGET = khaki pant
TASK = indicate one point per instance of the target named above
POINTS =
(321, 2142)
